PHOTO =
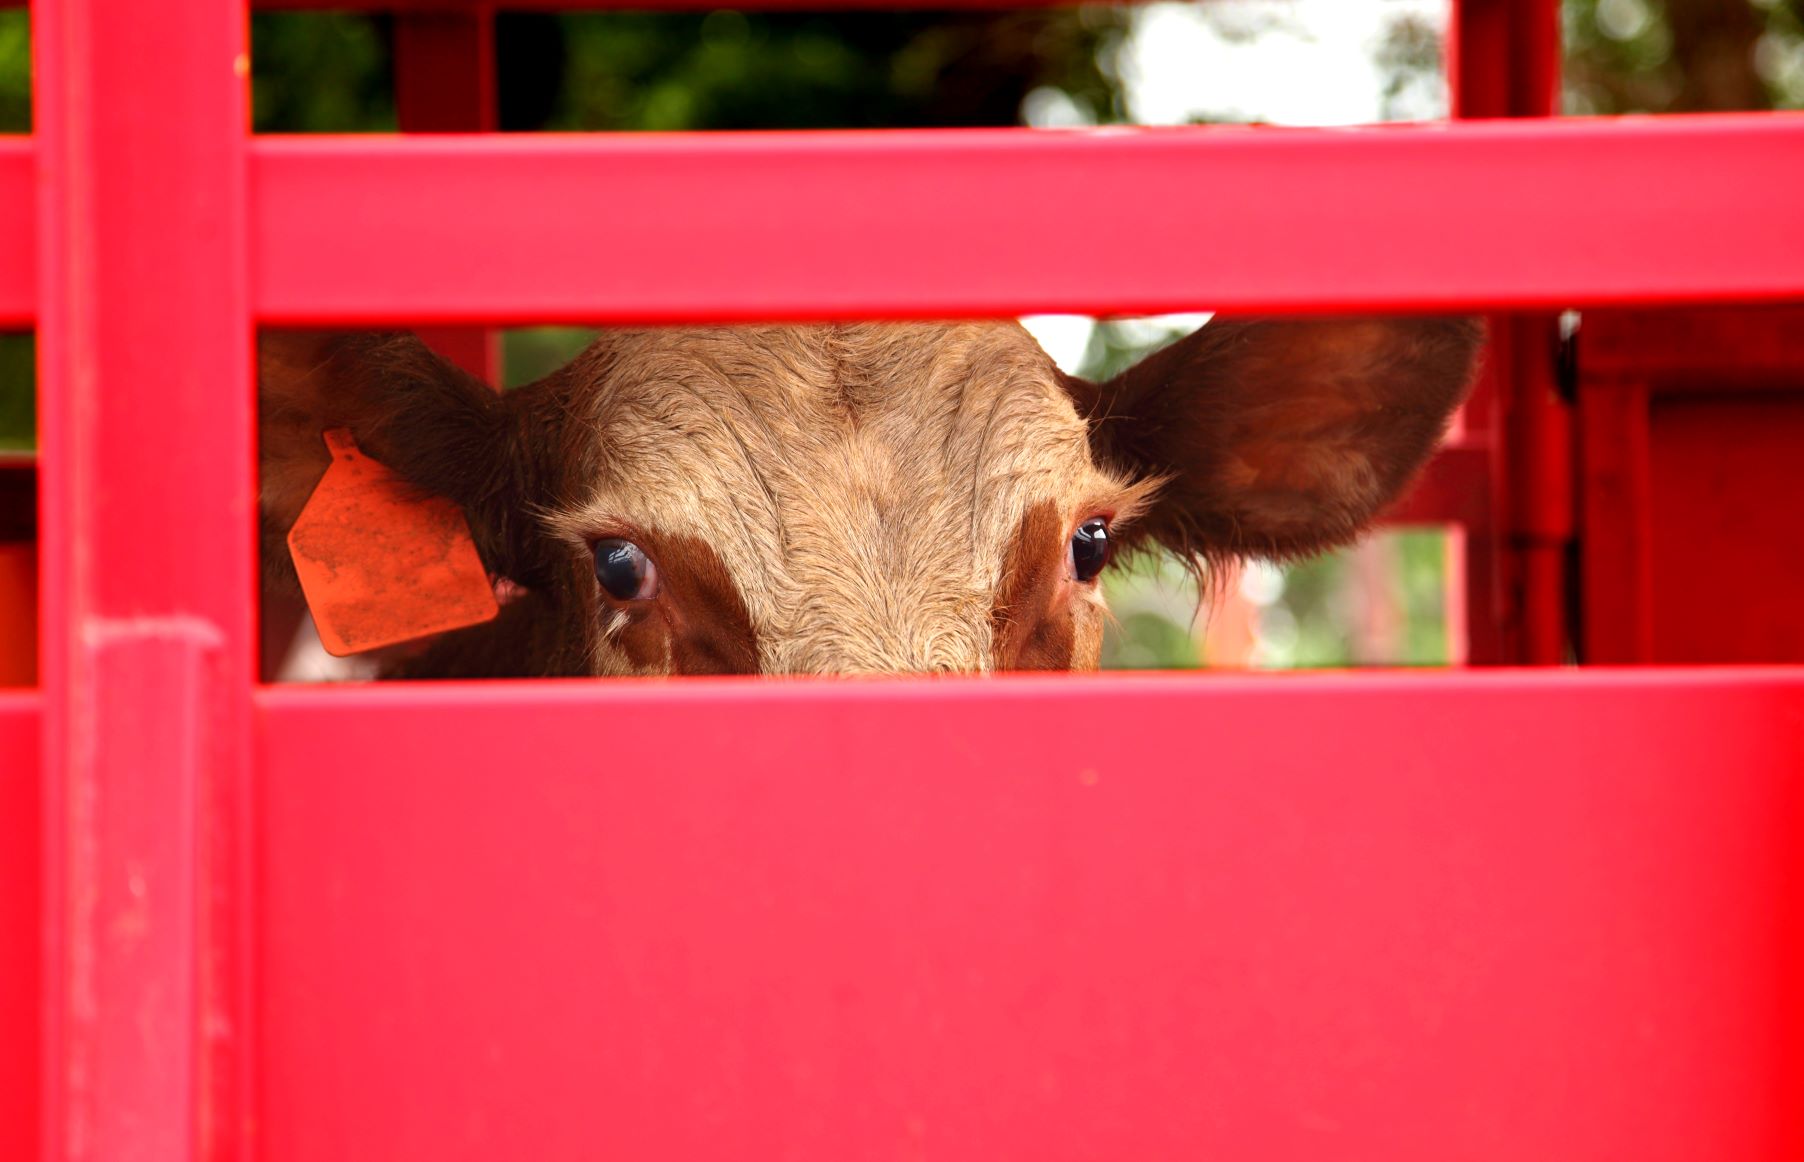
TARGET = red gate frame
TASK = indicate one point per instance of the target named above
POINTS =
(1507, 915)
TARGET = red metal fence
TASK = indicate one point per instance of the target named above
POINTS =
(1533, 914)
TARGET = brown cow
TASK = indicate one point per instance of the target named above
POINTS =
(869, 498)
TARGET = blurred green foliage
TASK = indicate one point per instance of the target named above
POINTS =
(1409, 56)
(1311, 615)
(18, 403)
(737, 70)
(15, 71)
(333, 72)
(18, 415)
(1157, 621)
(1328, 620)
(321, 72)
(1673, 56)
(530, 353)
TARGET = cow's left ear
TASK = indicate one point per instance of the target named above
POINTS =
(1280, 438)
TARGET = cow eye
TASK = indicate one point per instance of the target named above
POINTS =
(625, 571)
(1089, 549)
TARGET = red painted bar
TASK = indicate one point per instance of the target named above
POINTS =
(1504, 58)
(148, 551)
(445, 70)
(18, 244)
(20, 914)
(1499, 916)
(988, 207)
(659, 228)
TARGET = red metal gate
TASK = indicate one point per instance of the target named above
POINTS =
(1529, 914)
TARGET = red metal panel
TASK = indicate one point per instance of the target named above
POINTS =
(19, 930)
(1726, 563)
(1692, 422)
(18, 614)
(1698, 350)
(1453, 488)
(18, 211)
(1403, 917)
(968, 222)
(148, 564)
(1617, 572)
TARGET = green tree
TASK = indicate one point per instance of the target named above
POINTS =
(1683, 56)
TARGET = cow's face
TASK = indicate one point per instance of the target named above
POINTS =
(864, 499)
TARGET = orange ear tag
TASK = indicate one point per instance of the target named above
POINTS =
(381, 564)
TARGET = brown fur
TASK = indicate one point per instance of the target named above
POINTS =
(860, 499)
(699, 623)
(1034, 629)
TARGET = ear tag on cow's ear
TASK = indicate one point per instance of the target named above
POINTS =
(381, 564)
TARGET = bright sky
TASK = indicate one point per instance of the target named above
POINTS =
(1289, 62)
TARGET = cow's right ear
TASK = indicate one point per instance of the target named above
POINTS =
(437, 427)
(448, 442)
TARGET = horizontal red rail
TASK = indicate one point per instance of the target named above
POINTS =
(1442, 217)
(979, 222)
(1508, 916)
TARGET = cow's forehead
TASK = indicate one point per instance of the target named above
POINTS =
(838, 472)
(820, 376)
(897, 414)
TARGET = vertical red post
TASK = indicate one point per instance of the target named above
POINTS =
(149, 549)
(445, 83)
(1504, 61)
(1505, 58)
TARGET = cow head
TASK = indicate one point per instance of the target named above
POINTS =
(863, 498)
